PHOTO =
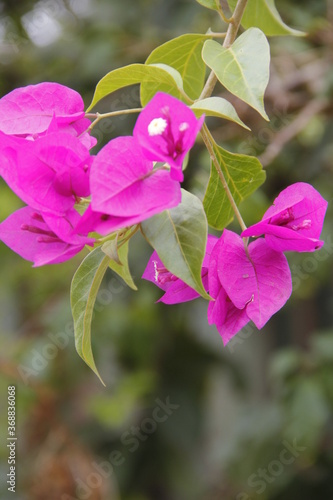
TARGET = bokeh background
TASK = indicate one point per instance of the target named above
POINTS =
(182, 416)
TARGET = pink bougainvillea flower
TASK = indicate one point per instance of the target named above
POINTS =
(49, 174)
(104, 224)
(42, 239)
(125, 186)
(166, 130)
(79, 129)
(247, 284)
(295, 220)
(228, 319)
(175, 289)
(28, 111)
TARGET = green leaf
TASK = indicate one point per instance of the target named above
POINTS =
(149, 87)
(119, 261)
(243, 174)
(149, 75)
(217, 106)
(184, 54)
(210, 4)
(84, 288)
(243, 68)
(263, 14)
(179, 236)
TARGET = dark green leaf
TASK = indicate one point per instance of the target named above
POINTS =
(179, 236)
(243, 174)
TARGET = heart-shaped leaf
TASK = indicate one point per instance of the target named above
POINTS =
(243, 68)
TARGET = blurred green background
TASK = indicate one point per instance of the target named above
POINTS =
(182, 416)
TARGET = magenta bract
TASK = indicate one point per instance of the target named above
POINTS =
(49, 174)
(176, 291)
(222, 313)
(126, 187)
(256, 283)
(42, 239)
(29, 111)
(166, 130)
(294, 222)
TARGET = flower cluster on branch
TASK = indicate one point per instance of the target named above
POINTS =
(251, 282)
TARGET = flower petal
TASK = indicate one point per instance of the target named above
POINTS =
(29, 110)
(166, 129)
(295, 221)
(258, 280)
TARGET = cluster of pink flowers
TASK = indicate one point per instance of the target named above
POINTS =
(45, 159)
(251, 282)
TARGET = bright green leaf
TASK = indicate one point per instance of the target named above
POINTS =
(243, 174)
(149, 75)
(149, 87)
(184, 54)
(217, 106)
(243, 68)
(263, 14)
(179, 237)
(84, 288)
(210, 4)
(119, 261)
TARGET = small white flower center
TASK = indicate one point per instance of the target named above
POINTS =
(183, 126)
(157, 126)
(156, 271)
(306, 224)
